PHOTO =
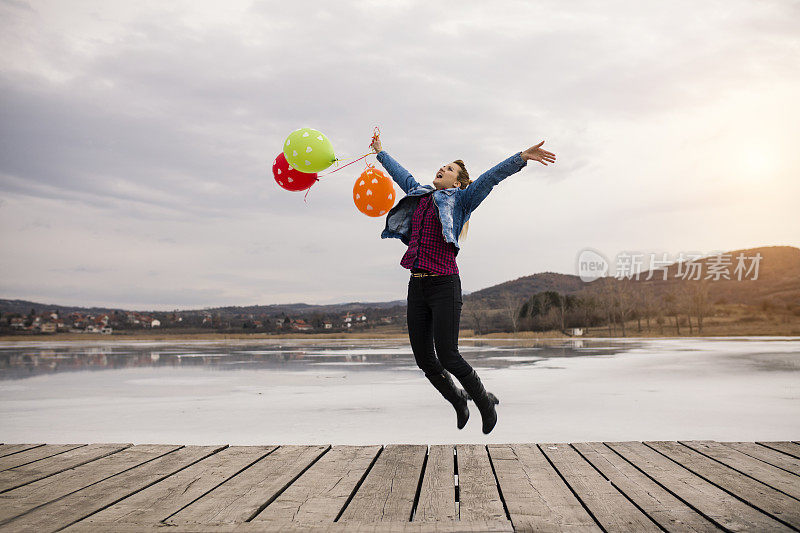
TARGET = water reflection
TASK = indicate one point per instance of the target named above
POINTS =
(21, 360)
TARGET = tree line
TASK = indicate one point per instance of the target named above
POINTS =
(606, 303)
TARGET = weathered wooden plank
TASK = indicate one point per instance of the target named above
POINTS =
(246, 494)
(83, 503)
(8, 449)
(388, 491)
(765, 473)
(610, 508)
(23, 499)
(28, 473)
(437, 496)
(763, 497)
(789, 448)
(659, 504)
(35, 454)
(335, 527)
(660, 477)
(536, 497)
(479, 498)
(159, 501)
(768, 455)
(716, 504)
(321, 492)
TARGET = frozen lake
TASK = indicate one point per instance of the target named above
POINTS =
(371, 392)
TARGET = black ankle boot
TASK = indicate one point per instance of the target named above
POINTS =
(484, 400)
(444, 384)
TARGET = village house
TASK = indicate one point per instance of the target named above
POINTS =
(351, 319)
(150, 322)
(301, 325)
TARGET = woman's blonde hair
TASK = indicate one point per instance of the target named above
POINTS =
(463, 183)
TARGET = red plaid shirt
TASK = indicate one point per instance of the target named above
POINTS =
(427, 248)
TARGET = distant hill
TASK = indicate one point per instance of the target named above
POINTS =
(302, 308)
(778, 281)
(778, 277)
(493, 297)
(24, 307)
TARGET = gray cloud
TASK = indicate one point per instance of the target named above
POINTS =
(161, 123)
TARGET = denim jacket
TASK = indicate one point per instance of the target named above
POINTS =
(453, 205)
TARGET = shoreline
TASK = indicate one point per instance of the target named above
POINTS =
(464, 335)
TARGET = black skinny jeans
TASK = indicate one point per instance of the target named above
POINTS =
(434, 312)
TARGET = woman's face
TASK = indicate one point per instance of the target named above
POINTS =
(447, 176)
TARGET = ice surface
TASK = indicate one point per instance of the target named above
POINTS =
(370, 391)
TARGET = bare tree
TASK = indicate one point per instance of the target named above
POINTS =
(624, 301)
(699, 302)
(602, 289)
(477, 315)
(565, 304)
(685, 292)
(644, 305)
(672, 306)
(660, 321)
(511, 305)
(648, 301)
(588, 303)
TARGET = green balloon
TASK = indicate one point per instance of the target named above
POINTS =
(308, 150)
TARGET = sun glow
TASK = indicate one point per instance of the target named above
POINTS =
(759, 162)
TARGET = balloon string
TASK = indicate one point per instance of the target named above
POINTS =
(376, 133)
(332, 171)
(308, 191)
(337, 160)
(348, 164)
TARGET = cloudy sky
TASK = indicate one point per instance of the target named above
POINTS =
(136, 139)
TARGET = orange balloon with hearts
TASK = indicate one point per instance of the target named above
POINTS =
(373, 192)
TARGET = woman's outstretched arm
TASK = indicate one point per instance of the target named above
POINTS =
(400, 175)
(481, 187)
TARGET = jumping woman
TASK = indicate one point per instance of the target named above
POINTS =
(428, 219)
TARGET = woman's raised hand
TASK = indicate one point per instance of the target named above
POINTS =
(538, 154)
(376, 144)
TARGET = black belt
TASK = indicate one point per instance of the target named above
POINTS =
(421, 273)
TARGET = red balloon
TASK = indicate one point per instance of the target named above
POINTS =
(290, 178)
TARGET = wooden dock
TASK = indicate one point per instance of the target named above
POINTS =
(582, 486)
